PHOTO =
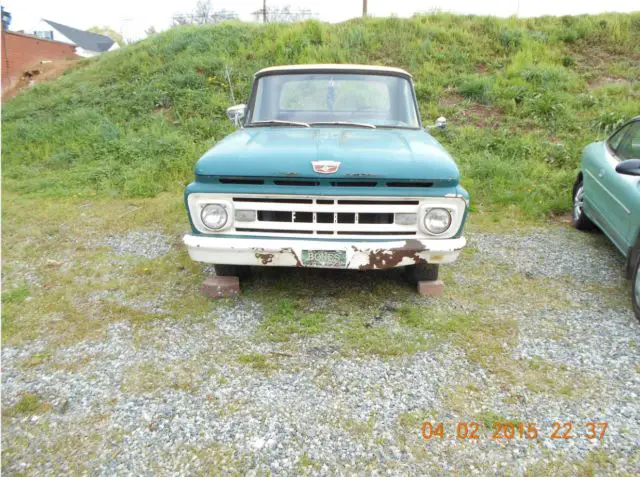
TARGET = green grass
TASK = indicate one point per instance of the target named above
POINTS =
(55, 303)
(490, 419)
(15, 296)
(522, 96)
(596, 462)
(286, 317)
(258, 362)
(29, 404)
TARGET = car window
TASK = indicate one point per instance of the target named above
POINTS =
(629, 146)
(614, 141)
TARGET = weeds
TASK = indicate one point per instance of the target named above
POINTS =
(132, 123)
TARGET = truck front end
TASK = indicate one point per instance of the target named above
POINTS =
(322, 230)
(331, 169)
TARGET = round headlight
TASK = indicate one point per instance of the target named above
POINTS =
(437, 221)
(214, 216)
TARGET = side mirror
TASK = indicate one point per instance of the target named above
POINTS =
(630, 167)
(441, 123)
(237, 113)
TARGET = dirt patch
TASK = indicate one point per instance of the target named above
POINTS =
(451, 100)
(480, 115)
(39, 74)
(599, 65)
(607, 80)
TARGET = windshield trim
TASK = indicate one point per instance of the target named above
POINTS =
(254, 91)
(259, 124)
(323, 69)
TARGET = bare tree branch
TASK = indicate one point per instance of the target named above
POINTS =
(282, 14)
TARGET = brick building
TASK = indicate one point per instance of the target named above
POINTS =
(21, 52)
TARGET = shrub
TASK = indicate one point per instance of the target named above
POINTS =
(607, 122)
(510, 39)
(477, 88)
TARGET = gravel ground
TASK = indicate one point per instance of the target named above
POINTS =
(139, 244)
(170, 396)
(561, 253)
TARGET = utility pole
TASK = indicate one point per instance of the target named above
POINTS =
(264, 11)
(364, 8)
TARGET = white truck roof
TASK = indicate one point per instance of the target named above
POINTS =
(332, 67)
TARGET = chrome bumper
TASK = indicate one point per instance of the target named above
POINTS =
(288, 252)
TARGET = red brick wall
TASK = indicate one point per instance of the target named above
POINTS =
(20, 52)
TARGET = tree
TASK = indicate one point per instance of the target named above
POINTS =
(180, 19)
(203, 12)
(150, 31)
(110, 32)
(281, 14)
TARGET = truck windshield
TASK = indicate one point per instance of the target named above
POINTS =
(328, 99)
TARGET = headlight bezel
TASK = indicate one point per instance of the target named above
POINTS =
(456, 206)
(430, 210)
(196, 204)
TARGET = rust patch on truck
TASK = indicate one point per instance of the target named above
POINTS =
(390, 258)
(290, 250)
(265, 258)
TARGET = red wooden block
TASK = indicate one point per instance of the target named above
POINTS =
(434, 288)
(220, 287)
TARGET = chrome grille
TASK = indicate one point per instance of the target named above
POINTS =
(326, 216)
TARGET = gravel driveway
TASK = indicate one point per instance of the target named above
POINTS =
(543, 332)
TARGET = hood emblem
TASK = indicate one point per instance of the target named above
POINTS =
(325, 167)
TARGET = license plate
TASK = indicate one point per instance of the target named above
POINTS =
(324, 258)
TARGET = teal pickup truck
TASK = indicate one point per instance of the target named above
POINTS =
(330, 168)
(606, 194)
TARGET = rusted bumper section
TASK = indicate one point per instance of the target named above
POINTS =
(289, 252)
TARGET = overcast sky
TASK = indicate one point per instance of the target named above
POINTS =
(132, 17)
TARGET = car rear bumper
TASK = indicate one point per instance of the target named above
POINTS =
(295, 253)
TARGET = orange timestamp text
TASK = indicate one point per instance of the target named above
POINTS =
(513, 430)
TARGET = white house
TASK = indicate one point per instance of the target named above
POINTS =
(87, 43)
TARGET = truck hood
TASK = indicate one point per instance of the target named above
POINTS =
(363, 153)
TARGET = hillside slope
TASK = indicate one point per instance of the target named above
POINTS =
(522, 98)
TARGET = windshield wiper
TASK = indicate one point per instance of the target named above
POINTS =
(343, 123)
(278, 122)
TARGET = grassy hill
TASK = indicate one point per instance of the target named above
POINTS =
(522, 96)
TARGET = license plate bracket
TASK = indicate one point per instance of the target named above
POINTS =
(324, 258)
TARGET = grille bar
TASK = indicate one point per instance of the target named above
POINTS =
(334, 226)
(327, 216)
(314, 207)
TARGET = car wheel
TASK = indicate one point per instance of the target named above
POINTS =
(240, 271)
(635, 290)
(578, 218)
(422, 272)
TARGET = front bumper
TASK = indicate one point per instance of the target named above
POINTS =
(288, 252)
